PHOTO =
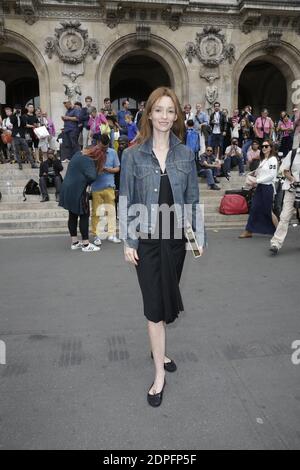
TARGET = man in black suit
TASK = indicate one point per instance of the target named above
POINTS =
(19, 129)
(50, 173)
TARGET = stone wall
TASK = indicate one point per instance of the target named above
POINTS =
(201, 52)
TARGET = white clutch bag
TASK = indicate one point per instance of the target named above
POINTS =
(190, 235)
(41, 132)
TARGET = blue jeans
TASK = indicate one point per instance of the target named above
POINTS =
(230, 162)
(245, 149)
(70, 140)
(209, 174)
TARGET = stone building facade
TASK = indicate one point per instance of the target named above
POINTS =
(236, 51)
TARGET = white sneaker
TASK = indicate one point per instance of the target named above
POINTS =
(97, 241)
(114, 239)
(90, 247)
(77, 246)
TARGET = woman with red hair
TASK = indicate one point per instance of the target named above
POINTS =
(82, 171)
(159, 180)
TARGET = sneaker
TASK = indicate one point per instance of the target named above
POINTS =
(114, 239)
(97, 241)
(274, 250)
(77, 246)
(214, 187)
(242, 174)
(90, 247)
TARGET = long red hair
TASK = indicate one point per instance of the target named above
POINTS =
(97, 153)
(146, 129)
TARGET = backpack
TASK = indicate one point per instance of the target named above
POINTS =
(233, 204)
(31, 187)
(192, 140)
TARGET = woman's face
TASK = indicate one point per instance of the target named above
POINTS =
(163, 114)
(266, 148)
(243, 122)
(286, 118)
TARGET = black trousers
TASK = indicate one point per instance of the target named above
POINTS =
(83, 225)
(43, 184)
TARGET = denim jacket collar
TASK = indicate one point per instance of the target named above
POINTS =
(147, 146)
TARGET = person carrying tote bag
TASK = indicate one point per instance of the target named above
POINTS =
(261, 218)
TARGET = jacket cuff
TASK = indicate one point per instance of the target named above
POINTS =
(130, 243)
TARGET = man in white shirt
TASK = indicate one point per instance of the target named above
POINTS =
(233, 157)
(292, 175)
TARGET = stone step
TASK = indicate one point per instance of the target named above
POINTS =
(37, 223)
(28, 232)
(26, 205)
(34, 224)
(33, 214)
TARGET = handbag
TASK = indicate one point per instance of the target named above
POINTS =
(41, 132)
(105, 129)
(6, 137)
(250, 180)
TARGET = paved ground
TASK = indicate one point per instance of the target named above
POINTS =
(77, 350)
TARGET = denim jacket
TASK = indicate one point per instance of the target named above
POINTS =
(140, 184)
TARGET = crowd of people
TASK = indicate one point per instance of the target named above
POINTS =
(219, 142)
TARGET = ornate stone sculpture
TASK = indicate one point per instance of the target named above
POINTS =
(113, 14)
(210, 48)
(72, 89)
(71, 43)
(172, 16)
(211, 92)
(27, 8)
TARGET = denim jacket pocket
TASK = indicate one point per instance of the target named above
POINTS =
(184, 166)
(141, 171)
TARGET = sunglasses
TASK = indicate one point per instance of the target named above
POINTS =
(265, 146)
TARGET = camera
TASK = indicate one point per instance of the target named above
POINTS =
(296, 187)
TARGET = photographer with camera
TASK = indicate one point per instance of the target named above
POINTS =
(19, 123)
(233, 157)
(50, 174)
(290, 168)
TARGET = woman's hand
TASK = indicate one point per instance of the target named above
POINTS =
(131, 255)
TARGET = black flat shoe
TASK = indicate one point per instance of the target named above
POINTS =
(168, 366)
(156, 399)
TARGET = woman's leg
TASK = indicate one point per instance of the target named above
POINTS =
(72, 225)
(84, 228)
(157, 335)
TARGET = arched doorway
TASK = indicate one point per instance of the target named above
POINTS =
(134, 78)
(262, 85)
(159, 50)
(286, 59)
(20, 78)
